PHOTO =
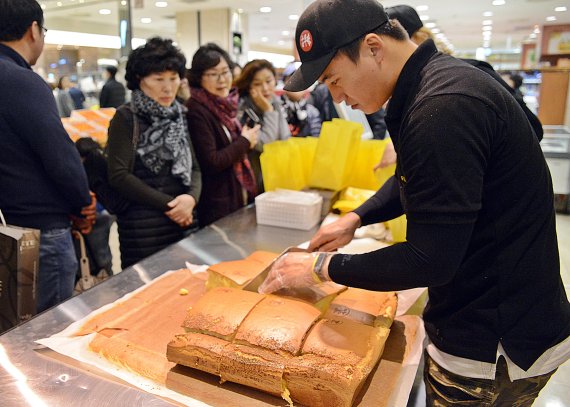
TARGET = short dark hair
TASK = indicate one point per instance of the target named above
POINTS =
(16, 16)
(392, 29)
(112, 70)
(157, 55)
(249, 70)
(206, 57)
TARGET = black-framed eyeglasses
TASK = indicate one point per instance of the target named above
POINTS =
(45, 30)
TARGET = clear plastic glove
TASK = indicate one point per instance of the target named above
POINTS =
(181, 210)
(336, 234)
(292, 270)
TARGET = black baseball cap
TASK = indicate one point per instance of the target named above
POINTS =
(407, 16)
(324, 27)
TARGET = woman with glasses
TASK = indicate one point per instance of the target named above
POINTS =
(220, 140)
(256, 86)
(150, 156)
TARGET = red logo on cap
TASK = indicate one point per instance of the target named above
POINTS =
(306, 41)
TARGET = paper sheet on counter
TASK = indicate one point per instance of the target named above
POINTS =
(77, 347)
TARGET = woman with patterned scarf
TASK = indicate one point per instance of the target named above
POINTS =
(220, 141)
(150, 156)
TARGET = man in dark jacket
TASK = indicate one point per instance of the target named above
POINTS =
(42, 181)
(474, 185)
(113, 92)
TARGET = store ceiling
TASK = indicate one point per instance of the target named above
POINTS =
(460, 21)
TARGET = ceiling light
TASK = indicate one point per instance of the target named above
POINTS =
(161, 4)
(498, 2)
(123, 2)
(533, 35)
(294, 17)
(424, 18)
(105, 11)
(430, 25)
(59, 4)
(422, 8)
(487, 28)
(536, 29)
(440, 36)
(281, 42)
(264, 39)
(285, 33)
(43, 6)
(551, 18)
(240, 10)
(435, 30)
(488, 14)
(561, 8)
(487, 22)
(146, 20)
(265, 10)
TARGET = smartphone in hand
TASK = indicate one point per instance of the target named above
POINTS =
(249, 118)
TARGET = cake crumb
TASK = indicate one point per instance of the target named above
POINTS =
(183, 291)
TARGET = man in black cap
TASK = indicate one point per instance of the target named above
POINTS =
(472, 180)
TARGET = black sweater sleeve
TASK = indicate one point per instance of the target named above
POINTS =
(430, 257)
(383, 205)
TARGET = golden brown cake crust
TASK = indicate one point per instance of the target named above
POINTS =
(278, 324)
(211, 314)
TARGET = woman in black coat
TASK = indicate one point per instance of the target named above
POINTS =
(150, 155)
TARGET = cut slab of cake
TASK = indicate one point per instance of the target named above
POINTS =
(220, 312)
(373, 308)
(336, 359)
(238, 273)
(283, 346)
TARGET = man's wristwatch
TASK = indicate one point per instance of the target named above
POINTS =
(318, 264)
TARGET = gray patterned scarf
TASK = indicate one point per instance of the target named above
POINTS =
(166, 139)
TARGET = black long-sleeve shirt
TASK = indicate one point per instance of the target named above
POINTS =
(474, 185)
(42, 179)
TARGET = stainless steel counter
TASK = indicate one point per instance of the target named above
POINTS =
(29, 376)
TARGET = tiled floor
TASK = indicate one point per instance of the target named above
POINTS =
(557, 391)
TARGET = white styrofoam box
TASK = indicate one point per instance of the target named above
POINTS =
(288, 209)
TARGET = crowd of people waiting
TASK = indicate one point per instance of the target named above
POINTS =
(184, 151)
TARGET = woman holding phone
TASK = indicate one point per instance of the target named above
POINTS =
(256, 86)
(220, 140)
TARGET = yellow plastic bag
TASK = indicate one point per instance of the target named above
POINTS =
(336, 152)
(282, 166)
(351, 198)
(307, 147)
(369, 155)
